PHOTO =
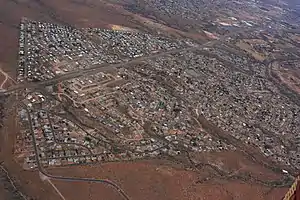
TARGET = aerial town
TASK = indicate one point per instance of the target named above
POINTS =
(212, 19)
(210, 88)
(114, 95)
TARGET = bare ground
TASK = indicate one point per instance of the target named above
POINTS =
(146, 180)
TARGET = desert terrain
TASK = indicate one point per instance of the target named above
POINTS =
(171, 179)
(156, 180)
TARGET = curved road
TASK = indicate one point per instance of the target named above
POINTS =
(70, 179)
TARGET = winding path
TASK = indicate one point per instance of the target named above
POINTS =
(7, 77)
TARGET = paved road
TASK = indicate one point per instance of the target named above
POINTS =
(102, 67)
(92, 70)
(64, 178)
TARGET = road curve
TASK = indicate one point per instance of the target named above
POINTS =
(70, 179)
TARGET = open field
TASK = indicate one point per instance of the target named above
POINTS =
(288, 74)
(156, 180)
(28, 183)
(246, 47)
(2, 78)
